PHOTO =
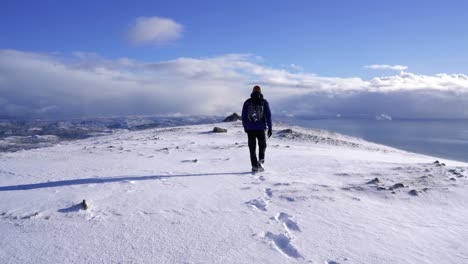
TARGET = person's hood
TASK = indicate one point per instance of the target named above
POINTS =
(256, 96)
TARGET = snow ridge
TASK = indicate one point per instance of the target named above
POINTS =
(186, 195)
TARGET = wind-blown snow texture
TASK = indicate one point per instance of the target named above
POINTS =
(186, 195)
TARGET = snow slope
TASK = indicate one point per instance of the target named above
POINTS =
(186, 195)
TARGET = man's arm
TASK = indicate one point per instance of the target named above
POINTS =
(244, 114)
(268, 114)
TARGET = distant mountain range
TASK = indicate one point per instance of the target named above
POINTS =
(26, 134)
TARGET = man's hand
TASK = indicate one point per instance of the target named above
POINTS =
(270, 132)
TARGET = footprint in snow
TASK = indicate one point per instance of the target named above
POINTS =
(283, 245)
(259, 204)
(258, 180)
(287, 198)
(34, 215)
(288, 223)
(281, 184)
(268, 192)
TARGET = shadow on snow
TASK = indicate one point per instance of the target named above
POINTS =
(96, 180)
(73, 208)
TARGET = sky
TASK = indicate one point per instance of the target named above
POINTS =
(62, 59)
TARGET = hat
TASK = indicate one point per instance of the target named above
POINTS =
(256, 89)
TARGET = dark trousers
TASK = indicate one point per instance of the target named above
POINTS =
(253, 136)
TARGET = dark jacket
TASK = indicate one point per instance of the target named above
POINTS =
(256, 98)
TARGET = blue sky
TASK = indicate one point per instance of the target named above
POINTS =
(332, 38)
(318, 58)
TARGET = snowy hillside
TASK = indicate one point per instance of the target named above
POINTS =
(186, 195)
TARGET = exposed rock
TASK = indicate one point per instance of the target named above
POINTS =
(456, 173)
(232, 118)
(85, 205)
(290, 134)
(219, 130)
(397, 185)
(194, 160)
(413, 192)
(374, 181)
(286, 131)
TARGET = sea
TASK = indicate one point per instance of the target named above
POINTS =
(439, 138)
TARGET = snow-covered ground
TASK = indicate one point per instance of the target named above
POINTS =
(186, 195)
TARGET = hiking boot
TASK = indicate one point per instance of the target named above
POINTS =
(254, 169)
(261, 161)
(260, 167)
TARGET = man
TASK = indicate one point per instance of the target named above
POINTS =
(256, 115)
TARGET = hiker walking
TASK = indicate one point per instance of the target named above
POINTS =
(256, 115)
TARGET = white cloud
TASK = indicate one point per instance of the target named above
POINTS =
(43, 85)
(386, 67)
(296, 67)
(154, 30)
(409, 81)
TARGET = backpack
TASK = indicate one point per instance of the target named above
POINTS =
(255, 111)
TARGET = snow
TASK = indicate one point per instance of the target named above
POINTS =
(186, 195)
(383, 117)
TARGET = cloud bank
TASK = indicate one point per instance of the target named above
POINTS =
(34, 85)
(386, 67)
(154, 30)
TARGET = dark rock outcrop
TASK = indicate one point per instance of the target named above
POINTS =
(374, 181)
(232, 118)
(193, 161)
(219, 130)
(397, 185)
